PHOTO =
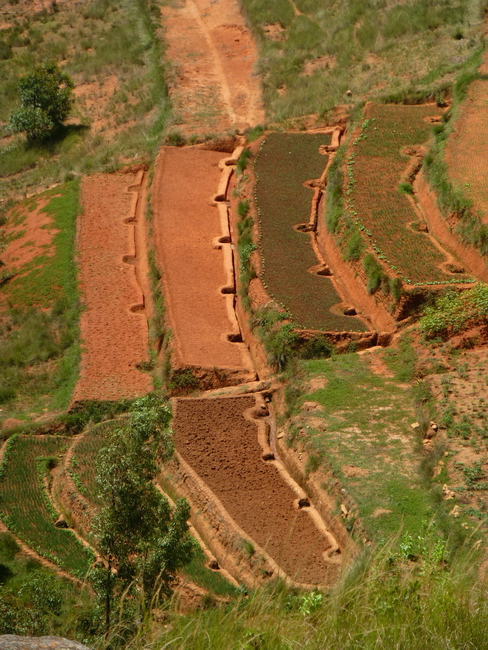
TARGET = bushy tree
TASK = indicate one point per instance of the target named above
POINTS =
(46, 100)
(143, 540)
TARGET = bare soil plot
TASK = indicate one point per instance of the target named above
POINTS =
(467, 146)
(221, 445)
(113, 325)
(185, 225)
(215, 87)
(285, 162)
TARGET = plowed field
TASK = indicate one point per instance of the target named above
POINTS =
(114, 339)
(222, 447)
(185, 225)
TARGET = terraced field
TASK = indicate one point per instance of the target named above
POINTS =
(284, 163)
(25, 506)
(376, 162)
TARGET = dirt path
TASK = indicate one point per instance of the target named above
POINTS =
(114, 324)
(222, 446)
(214, 56)
(185, 227)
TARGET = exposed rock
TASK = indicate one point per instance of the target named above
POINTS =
(379, 512)
(14, 642)
(311, 406)
(415, 425)
(61, 522)
(447, 493)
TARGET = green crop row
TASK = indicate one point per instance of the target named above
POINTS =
(26, 509)
(83, 470)
(378, 206)
(284, 162)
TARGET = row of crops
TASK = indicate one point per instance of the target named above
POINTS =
(285, 161)
(375, 200)
(25, 507)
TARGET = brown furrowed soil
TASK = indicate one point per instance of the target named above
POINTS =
(214, 86)
(466, 149)
(222, 446)
(185, 225)
(113, 325)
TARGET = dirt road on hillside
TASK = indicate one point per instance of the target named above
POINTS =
(214, 86)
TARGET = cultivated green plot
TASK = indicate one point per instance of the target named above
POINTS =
(284, 163)
(25, 506)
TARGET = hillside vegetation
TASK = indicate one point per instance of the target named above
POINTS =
(312, 53)
(394, 438)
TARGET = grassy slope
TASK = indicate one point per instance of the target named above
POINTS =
(97, 42)
(372, 48)
(39, 348)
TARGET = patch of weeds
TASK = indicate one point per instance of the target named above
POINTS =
(242, 161)
(183, 381)
(455, 311)
(401, 360)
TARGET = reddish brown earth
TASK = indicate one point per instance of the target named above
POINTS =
(467, 147)
(472, 260)
(114, 339)
(30, 234)
(185, 225)
(214, 86)
(221, 445)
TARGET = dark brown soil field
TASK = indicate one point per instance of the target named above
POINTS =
(114, 339)
(185, 225)
(222, 447)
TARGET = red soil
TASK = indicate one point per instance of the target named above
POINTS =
(221, 445)
(31, 236)
(114, 338)
(214, 56)
(472, 260)
(466, 149)
(185, 224)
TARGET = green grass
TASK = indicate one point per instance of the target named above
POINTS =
(39, 337)
(374, 166)
(365, 422)
(371, 48)
(25, 506)
(284, 162)
(213, 581)
(83, 469)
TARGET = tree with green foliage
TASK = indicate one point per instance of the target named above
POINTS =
(143, 540)
(46, 100)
